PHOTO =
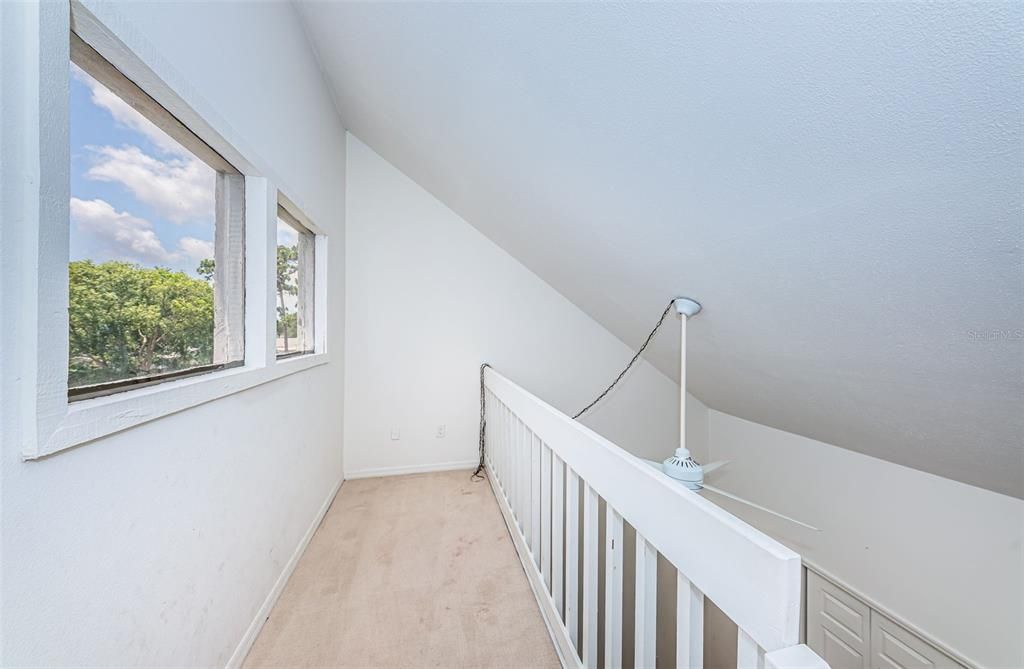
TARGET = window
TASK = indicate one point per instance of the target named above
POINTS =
(295, 279)
(44, 391)
(156, 271)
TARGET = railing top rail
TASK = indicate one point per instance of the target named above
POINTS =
(752, 578)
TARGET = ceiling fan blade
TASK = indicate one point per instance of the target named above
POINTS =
(712, 466)
(759, 507)
(708, 468)
(657, 465)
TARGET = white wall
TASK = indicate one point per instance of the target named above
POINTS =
(430, 298)
(158, 545)
(943, 555)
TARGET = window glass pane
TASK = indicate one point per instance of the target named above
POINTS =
(143, 212)
(294, 289)
(287, 287)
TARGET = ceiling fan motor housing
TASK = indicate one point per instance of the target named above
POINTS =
(683, 468)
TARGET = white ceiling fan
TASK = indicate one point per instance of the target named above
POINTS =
(681, 467)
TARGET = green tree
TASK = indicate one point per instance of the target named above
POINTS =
(287, 284)
(206, 269)
(128, 321)
(288, 325)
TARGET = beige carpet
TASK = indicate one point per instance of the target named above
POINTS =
(408, 571)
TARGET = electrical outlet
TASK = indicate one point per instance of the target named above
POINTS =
(442, 432)
(396, 434)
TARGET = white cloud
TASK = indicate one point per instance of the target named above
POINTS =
(125, 237)
(130, 238)
(196, 249)
(179, 188)
(178, 185)
(126, 115)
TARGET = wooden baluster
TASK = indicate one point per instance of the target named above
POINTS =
(590, 548)
(748, 654)
(524, 481)
(489, 420)
(503, 456)
(526, 446)
(646, 610)
(513, 469)
(545, 514)
(557, 531)
(535, 493)
(494, 440)
(517, 447)
(510, 494)
(689, 624)
(612, 589)
(495, 444)
(506, 456)
(489, 436)
(572, 556)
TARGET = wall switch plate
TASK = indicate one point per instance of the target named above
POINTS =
(396, 434)
(442, 432)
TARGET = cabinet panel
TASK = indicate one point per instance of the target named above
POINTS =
(838, 625)
(893, 647)
(838, 654)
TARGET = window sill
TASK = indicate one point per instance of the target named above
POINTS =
(87, 420)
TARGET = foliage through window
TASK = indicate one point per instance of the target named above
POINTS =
(150, 221)
(295, 253)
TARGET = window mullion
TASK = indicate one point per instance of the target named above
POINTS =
(229, 286)
(306, 276)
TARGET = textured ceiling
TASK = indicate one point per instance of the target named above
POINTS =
(839, 184)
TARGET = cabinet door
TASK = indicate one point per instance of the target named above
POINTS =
(838, 624)
(893, 647)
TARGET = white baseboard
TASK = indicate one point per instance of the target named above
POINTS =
(413, 469)
(245, 645)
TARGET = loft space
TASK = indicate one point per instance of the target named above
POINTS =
(511, 335)
(833, 182)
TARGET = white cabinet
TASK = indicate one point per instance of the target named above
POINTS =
(838, 625)
(849, 634)
(894, 647)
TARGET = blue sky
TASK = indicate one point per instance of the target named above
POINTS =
(286, 234)
(136, 194)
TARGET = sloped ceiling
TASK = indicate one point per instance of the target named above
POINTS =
(840, 185)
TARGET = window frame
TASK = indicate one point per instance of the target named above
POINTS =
(229, 227)
(34, 240)
(306, 312)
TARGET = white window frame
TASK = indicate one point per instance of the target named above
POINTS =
(34, 241)
(229, 228)
(309, 308)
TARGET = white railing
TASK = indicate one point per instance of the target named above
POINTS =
(541, 462)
